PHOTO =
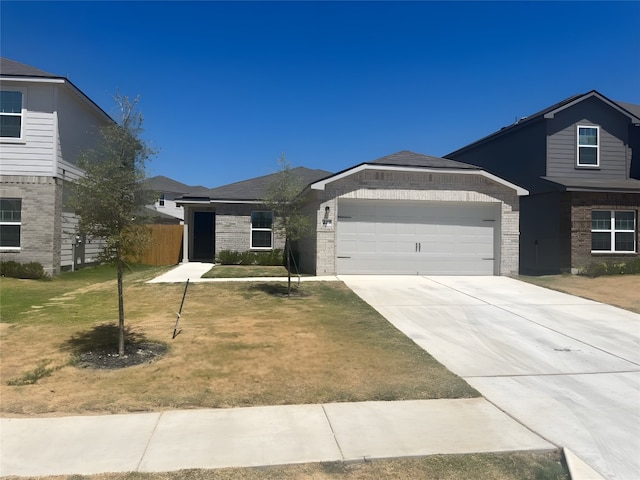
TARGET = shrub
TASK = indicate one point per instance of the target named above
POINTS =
(597, 269)
(270, 258)
(31, 270)
(227, 257)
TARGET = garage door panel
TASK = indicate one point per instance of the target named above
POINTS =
(410, 238)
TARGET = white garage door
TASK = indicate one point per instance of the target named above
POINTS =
(416, 238)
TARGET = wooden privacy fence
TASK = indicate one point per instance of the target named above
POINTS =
(166, 245)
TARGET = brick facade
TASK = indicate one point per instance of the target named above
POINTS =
(318, 254)
(582, 204)
(233, 227)
(41, 224)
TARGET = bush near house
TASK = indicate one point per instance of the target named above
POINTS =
(271, 258)
(31, 270)
(596, 269)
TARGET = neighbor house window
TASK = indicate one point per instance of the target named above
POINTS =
(11, 114)
(588, 146)
(161, 200)
(261, 229)
(10, 223)
(613, 231)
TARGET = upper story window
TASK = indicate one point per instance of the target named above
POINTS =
(588, 146)
(262, 230)
(161, 200)
(613, 231)
(11, 106)
(10, 223)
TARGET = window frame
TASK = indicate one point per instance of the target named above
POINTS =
(596, 146)
(14, 223)
(612, 230)
(260, 229)
(22, 115)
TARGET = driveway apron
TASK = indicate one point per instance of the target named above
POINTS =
(566, 367)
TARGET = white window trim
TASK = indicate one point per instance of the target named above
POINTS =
(23, 115)
(260, 230)
(578, 146)
(612, 231)
(13, 249)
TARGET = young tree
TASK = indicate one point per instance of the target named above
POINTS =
(284, 200)
(110, 197)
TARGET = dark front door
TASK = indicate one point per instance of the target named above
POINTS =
(203, 236)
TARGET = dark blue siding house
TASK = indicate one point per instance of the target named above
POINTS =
(580, 161)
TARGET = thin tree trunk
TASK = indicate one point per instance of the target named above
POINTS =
(120, 310)
(288, 250)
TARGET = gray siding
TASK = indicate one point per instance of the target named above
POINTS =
(36, 153)
(615, 153)
(518, 157)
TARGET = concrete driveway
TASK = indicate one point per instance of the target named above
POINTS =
(565, 367)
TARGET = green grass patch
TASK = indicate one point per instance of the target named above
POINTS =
(246, 271)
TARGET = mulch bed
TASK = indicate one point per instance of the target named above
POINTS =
(135, 354)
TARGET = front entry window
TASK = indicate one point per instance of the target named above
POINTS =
(261, 230)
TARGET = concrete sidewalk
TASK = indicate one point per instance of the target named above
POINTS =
(257, 436)
(193, 271)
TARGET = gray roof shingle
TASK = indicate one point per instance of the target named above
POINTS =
(255, 189)
(406, 158)
(16, 69)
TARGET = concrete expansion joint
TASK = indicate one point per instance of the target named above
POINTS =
(333, 432)
(146, 447)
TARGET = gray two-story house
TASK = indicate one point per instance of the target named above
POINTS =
(45, 122)
(580, 161)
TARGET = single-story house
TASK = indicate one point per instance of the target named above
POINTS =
(405, 213)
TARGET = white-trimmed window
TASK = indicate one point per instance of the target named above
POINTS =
(588, 146)
(262, 230)
(613, 231)
(11, 114)
(10, 223)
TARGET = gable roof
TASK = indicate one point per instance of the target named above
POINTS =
(407, 158)
(630, 110)
(253, 190)
(407, 161)
(163, 184)
(12, 70)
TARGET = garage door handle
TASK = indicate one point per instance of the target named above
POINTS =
(488, 258)
(343, 257)
(418, 247)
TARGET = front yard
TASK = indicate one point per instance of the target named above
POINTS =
(240, 344)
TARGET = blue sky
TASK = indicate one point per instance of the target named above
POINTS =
(226, 88)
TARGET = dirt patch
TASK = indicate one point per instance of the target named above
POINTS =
(617, 290)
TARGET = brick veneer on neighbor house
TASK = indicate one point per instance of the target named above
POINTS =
(582, 204)
(411, 186)
(233, 224)
(41, 232)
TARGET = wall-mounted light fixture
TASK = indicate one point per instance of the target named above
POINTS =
(326, 221)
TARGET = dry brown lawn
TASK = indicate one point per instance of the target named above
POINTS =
(512, 466)
(619, 290)
(241, 344)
